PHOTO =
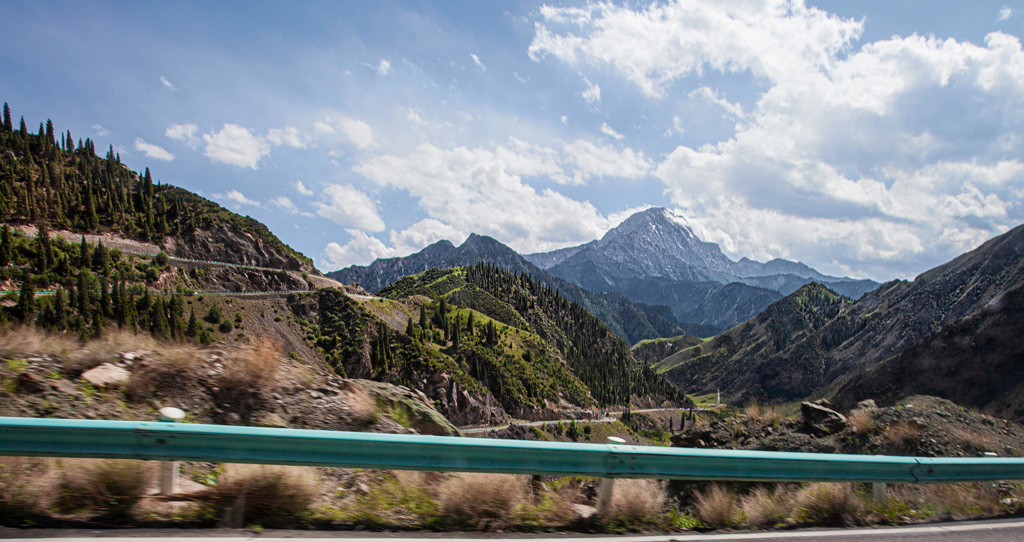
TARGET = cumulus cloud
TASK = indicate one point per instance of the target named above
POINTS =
(363, 248)
(1005, 13)
(347, 206)
(289, 135)
(301, 188)
(285, 203)
(236, 145)
(610, 132)
(186, 133)
(873, 161)
(590, 160)
(352, 131)
(482, 190)
(476, 60)
(384, 67)
(152, 151)
(237, 198)
(167, 84)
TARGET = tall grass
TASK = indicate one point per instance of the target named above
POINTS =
(265, 494)
(252, 368)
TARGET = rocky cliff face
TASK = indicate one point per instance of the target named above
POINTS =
(228, 243)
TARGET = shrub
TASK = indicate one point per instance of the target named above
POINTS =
(767, 508)
(262, 494)
(213, 314)
(23, 488)
(468, 497)
(637, 502)
(111, 485)
(226, 326)
(252, 368)
(861, 421)
(828, 504)
(105, 349)
(717, 506)
(765, 415)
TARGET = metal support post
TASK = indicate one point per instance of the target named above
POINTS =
(604, 491)
(878, 491)
(169, 469)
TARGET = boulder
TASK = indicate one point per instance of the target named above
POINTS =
(30, 383)
(107, 376)
(822, 419)
(866, 404)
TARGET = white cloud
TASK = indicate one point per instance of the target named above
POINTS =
(289, 135)
(593, 161)
(664, 42)
(886, 158)
(384, 67)
(593, 92)
(712, 97)
(610, 132)
(482, 190)
(301, 188)
(1005, 13)
(152, 151)
(479, 64)
(347, 206)
(167, 84)
(100, 130)
(237, 198)
(186, 133)
(353, 131)
(236, 145)
(285, 203)
(363, 248)
(565, 119)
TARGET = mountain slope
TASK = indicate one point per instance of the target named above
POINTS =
(943, 306)
(629, 320)
(654, 256)
(597, 356)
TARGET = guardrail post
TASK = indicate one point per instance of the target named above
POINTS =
(169, 469)
(878, 491)
(604, 491)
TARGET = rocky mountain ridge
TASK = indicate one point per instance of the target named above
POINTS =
(655, 257)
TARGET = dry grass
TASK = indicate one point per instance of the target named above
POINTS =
(717, 506)
(20, 342)
(978, 441)
(828, 504)
(262, 494)
(24, 488)
(765, 508)
(252, 368)
(901, 433)
(362, 407)
(495, 498)
(637, 501)
(113, 485)
(861, 421)
(764, 414)
(953, 501)
(162, 368)
(107, 349)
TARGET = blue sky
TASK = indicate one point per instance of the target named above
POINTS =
(862, 138)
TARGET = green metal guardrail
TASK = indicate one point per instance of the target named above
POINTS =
(231, 444)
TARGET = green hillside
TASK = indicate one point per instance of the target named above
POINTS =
(593, 353)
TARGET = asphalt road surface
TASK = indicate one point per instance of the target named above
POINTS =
(977, 531)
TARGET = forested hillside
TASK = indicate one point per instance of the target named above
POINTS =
(596, 355)
(48, 177)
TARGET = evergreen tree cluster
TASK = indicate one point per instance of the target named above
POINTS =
(597, 356)
(48, 176)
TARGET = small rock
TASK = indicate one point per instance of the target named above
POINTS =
(822, 419)
(362, 488)
(234, 418)
(866, 404)
(64, 386)
(128, 356)
(30, 383)
(107, 376)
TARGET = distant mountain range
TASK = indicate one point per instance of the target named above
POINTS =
(654, 257)
(630, 321)
(651, 261)
(955, 332)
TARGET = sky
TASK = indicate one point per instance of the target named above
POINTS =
(866, 139)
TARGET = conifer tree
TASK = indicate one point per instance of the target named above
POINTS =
(8, 126)
(44, 253)
(6, 250)
(193, 327)
(84, 255)
(60, 313)
(26, 300)
(409, 330)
